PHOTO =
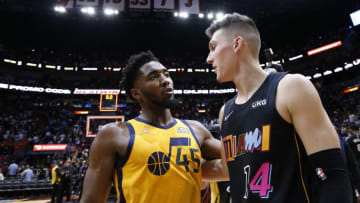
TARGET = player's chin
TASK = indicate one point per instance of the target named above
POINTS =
(170, 103)
(222, 79)
(169, 98)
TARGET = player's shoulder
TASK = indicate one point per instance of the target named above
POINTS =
(222, 109)
(112, 137)
(113, 130)
(294, 80)
(294, 84)
(199, 129)
(195, 124)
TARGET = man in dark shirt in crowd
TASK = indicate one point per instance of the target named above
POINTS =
(354, 140)
(66, 175)
(55, 181)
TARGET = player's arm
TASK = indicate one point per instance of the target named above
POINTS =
(215, 169)
(98, 178)
(306, 112)
(212, 167)
(223, 163)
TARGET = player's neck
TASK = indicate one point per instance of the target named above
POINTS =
(160, 116)
(248, 80)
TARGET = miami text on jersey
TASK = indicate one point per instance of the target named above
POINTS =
(254, 140)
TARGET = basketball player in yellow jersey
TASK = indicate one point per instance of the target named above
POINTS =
(153, 158)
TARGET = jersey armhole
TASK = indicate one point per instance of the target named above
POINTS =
(280, 77)
(130, 144)
(192, 132)
(227, 107)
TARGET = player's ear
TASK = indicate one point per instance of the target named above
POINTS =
(238, 43)
(135, 93)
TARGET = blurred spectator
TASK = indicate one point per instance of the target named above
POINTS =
(27, 175)
(66, 179)
(354, 140)
(1, 176)
(5, 169)
(55, 182)
(12, 169)
(81, 178)
(41, 174)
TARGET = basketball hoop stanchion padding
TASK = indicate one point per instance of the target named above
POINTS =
(94, 123)
(108, 102)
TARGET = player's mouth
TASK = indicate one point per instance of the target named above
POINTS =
(168, 91)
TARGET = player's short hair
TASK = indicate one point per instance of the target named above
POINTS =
(239, 25)
(131, 72)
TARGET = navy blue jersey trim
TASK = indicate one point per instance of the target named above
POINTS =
(192, 132)
(131, 143)
(120, 177)
(156, 125)
(300, 168)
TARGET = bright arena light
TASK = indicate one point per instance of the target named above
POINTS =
(110, 12)
(201, 15)
(219, 15)
(317, 75)
(60, 9)
(91, 11)
(338, 69)
(88, 10)
(328, 72)
(296, 57)
(355, 17)
(210, 15)
(184, 15)
(176, 14)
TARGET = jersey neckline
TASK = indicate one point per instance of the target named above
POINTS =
(254, 95)
(172, 124)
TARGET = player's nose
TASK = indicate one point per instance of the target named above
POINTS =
(209, 59)
(165, 81)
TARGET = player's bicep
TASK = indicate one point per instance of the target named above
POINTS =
(222, 150)
(211, 148)
(223, 159)
(98, 177)
(309, 116)
(215, 168)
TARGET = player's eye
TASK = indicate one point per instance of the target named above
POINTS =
(153, 77)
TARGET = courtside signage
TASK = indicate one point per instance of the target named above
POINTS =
(50, 147)
(98, 91)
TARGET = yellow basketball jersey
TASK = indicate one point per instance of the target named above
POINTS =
(163, 164)
(215, 193)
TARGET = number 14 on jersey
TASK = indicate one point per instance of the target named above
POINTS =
(260, 183)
